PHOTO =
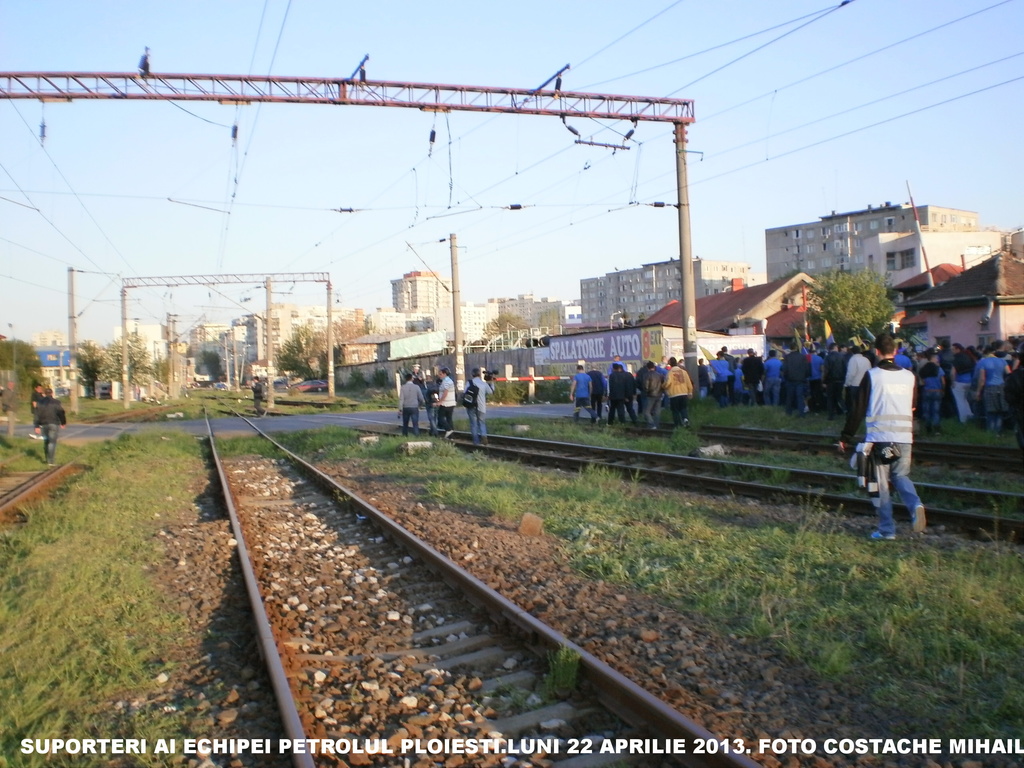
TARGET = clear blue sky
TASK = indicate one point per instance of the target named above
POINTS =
(773, 149)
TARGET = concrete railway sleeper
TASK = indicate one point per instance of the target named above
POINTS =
(390, 654)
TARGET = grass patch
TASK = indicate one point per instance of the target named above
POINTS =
(81, 621)
(938, 629)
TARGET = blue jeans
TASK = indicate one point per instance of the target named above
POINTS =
(771, 391)
(899, 473)
(410, 415)
(477, 425)
(50, 432)
(432, 419)
(797, 392)
(931, 402)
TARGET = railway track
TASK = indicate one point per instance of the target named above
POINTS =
(377, 642)
(726, 477)
(20, 488)
(982, 457)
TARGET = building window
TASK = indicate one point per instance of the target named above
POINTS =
(824, 246)
(873, 224)
(890, 260)
(908, 258)
(796, 233)
(890, 220)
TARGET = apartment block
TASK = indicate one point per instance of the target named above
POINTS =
(421, 292)
(881, 238)
(630, 294)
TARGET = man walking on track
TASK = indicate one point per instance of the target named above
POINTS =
(885, 401)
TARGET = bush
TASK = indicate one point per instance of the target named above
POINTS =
(510, 392)
(381, 378)
(356, 380)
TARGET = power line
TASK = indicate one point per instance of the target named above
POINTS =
(708, 50)
(853, 60)
(761, 47)
(622, 37)
(868, 104)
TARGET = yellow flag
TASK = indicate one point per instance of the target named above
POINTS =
(708, 357)
(828, 332)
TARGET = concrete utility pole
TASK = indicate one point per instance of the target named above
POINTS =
(270, 349)
(460, 357)
(172, 357)
(687, 296)
(124, 349)
(72, 342)
(330, 343)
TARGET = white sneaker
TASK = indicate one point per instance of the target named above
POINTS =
(920, 520)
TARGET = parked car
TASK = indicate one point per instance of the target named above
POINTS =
(311, 385)
(220, 385)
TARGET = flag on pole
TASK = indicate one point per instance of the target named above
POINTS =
(829, 338)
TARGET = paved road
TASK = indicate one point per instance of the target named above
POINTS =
(76, 434)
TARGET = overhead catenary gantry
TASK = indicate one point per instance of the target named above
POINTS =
(266, 279)
(242, 89)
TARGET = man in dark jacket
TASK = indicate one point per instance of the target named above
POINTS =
(621, 388)
(752, 369)
(48, 420)
(835, 379)
(796, 370)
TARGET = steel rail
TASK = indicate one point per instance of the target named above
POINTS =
(579, 456)
(264, 635)
(989, 457)
(36, 486)
(632, 703)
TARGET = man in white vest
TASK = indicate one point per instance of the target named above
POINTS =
(885, 401)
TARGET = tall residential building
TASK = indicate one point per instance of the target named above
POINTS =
(539, 312)
(630, 293)
(881, 238)
(50, 339)
(421, 292)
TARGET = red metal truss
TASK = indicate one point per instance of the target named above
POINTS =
(237, 89)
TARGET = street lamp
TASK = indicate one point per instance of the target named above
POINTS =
(611, 320)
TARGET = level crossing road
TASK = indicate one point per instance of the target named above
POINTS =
(77, 434)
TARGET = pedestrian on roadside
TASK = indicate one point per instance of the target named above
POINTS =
(722, 379)
(446, 402)
(478, 412)
(258, 393)
(752, 371)
(430, 393)
(834, 378)
(962, 373)
(598, 389)
(858, 364)
(772, 377)
(885, 401)
(992, 370)
(933, 387)
(579, 394)
(654, 386)
(679, 388)
(48, 420)
(796, 371)
(621, 388)
(9, 396)
(410, 400)
(703, 378)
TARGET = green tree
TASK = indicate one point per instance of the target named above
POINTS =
(300, 355)
(504, 322)
(851, 301)
(91, 360)
(20, 358)
(140, 366)
(209, 361)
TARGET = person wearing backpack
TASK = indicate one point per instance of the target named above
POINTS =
(475, 401)
(258, 394)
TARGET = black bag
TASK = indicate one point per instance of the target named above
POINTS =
(886, 453)
(469, 397)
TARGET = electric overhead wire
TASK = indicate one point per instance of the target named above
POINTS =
(251, 134)
(865, 104)
(761, 47)
(707, 50)
(855, 59)
(623, 36)
(73, 192)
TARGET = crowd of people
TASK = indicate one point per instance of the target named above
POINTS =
(952, 381)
